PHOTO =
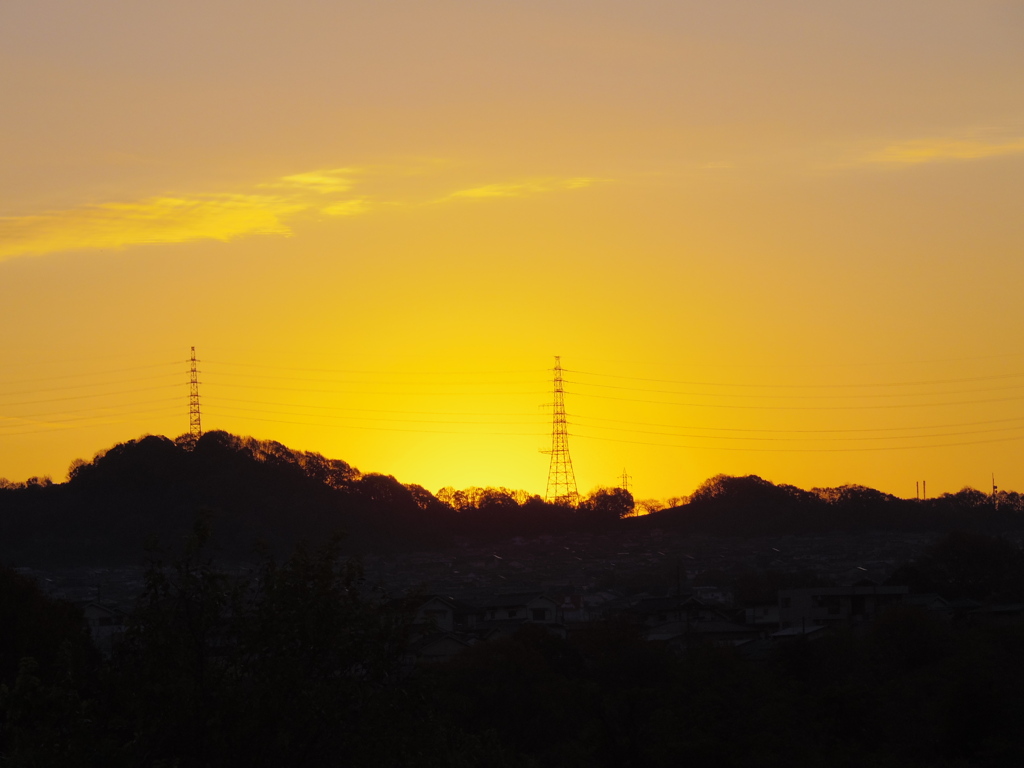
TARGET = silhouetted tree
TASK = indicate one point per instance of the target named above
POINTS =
(606, 505)
(966, 564)
(750, 505)
(38, 626)
(46, 659)
(287, 665)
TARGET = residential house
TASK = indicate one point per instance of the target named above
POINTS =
(528, 606)
(832, 606)
(503, 614)
(654, 611)
(106, 623)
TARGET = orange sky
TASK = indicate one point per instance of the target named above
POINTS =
(778, 238)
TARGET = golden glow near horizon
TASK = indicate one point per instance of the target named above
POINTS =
(782, 239)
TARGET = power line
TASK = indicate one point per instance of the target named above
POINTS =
(788, 365)
(96, 373)
(93, 409)
(369, 410)
(391, 429)
(377, 372)
(376, 419)
(801, 386)
(260, 377)
(98, 394)
(36, 390)
(799, 431)
(106, 420)
(41, 418)
(802, 407)
(368, 418)
(799, 450)
(798, 396)
(795, 439)
(376, 392)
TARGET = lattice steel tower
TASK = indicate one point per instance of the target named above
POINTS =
(561, 479)
(195, 424)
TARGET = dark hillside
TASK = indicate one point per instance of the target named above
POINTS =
(154, 488)
(263, 492)
(752, 506)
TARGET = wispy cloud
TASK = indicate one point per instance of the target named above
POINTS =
(326, 181)
(269, 208)
(936, 150)
(347, 208)
(522, 188)
(182, 218)
(153, 220)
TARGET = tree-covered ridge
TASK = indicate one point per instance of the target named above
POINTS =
(264, 491)
(752, 505)
(260, 491)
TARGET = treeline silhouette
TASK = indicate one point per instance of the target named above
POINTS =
(290, 664)
(753, 506)
(261, 490)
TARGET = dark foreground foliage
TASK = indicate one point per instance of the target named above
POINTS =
(290, 664)
(910, 693)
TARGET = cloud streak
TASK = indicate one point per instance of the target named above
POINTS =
(521, 188)
(938, 150)
(182, 218)
(326, 181)
(271, 209)
(347, 208)
(153, 220)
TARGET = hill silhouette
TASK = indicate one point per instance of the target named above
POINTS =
(750, 505)
(260, 491)
(155, 487)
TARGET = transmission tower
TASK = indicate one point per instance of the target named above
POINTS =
(195, 425)
(561, 479)
(625, 480)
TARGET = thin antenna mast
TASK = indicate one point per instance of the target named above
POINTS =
(561, 478)
(195, 424)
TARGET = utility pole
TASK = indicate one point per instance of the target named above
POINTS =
(561, 478)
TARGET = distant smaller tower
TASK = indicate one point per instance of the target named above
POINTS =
(195, 423)
(625, 481)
